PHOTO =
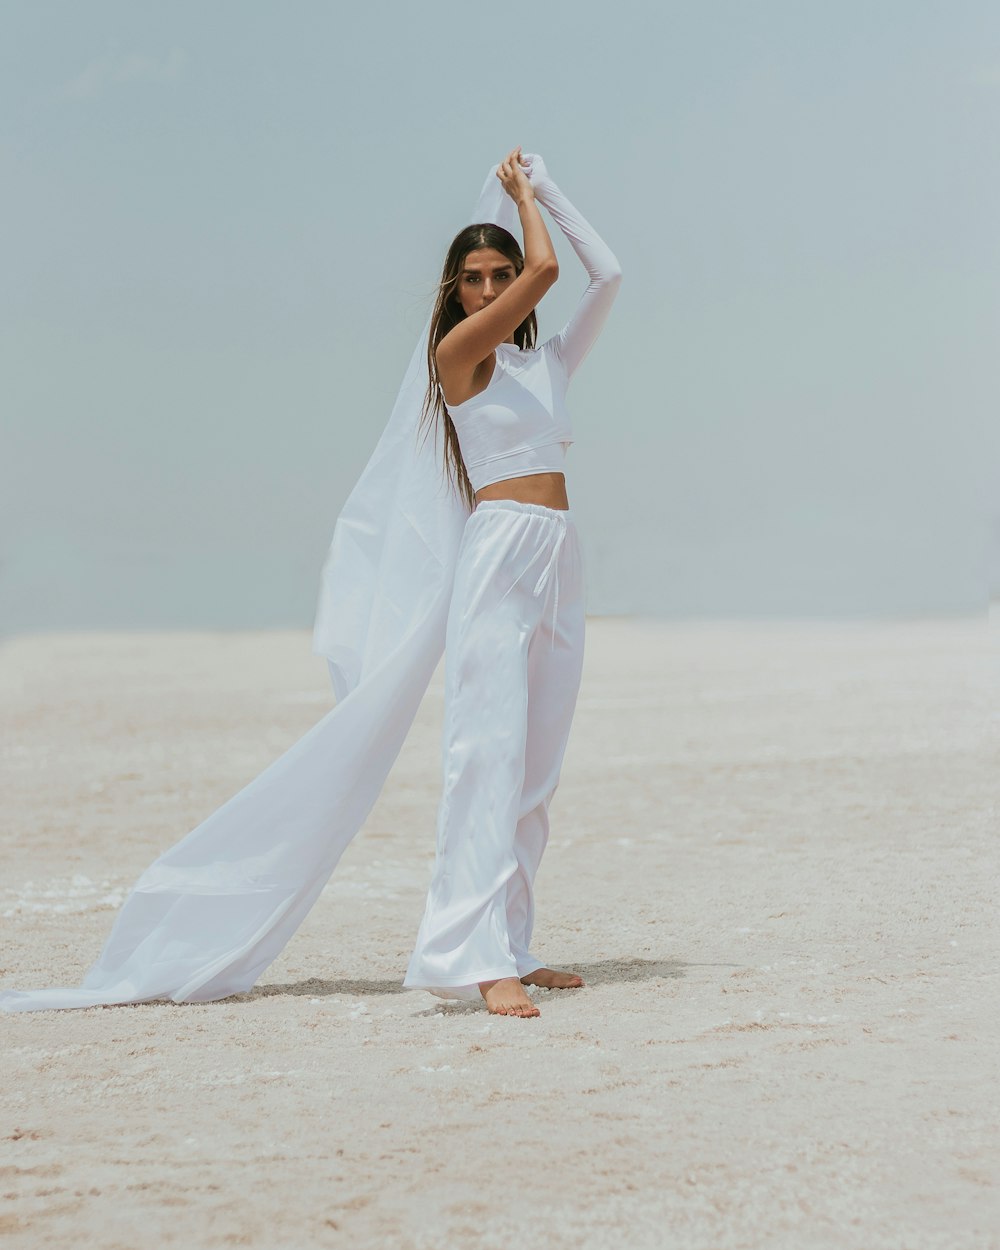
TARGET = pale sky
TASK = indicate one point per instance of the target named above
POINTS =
(223, 223)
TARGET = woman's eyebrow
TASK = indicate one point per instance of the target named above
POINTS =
(496, 268)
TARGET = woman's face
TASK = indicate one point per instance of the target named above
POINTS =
(484, 274)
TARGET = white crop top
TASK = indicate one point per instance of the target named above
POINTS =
(519, 424)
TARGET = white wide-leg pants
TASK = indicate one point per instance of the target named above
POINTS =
(513, 660)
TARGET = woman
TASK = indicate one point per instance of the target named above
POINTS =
(511, 675)
(408, 566)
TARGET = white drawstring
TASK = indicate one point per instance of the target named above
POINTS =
(552, 565)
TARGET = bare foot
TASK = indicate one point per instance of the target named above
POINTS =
(507, 998)
(550, 979)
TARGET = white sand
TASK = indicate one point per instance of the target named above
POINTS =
(774, 859)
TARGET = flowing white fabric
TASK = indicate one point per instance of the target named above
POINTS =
(388, 575)
(216, 909)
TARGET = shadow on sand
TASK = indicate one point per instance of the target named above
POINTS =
(602, 972)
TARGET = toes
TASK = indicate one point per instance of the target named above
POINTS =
(523, 1009)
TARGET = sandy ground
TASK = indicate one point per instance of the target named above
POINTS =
(774, 859)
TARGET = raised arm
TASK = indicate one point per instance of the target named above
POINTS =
(579, 334)
(472, 339)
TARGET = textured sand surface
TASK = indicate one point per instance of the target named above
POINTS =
(774, 859)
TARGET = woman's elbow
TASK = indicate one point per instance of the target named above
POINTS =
(547, 270)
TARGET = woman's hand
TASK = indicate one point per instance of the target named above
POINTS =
(513, 177)
(536, 170)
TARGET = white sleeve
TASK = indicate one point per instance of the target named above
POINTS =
(579, 334)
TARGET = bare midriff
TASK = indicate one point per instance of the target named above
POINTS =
(547, 489)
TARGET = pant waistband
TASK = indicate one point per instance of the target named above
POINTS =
(517, 505)
(563, 519)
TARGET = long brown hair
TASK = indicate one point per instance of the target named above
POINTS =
(448, 312)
